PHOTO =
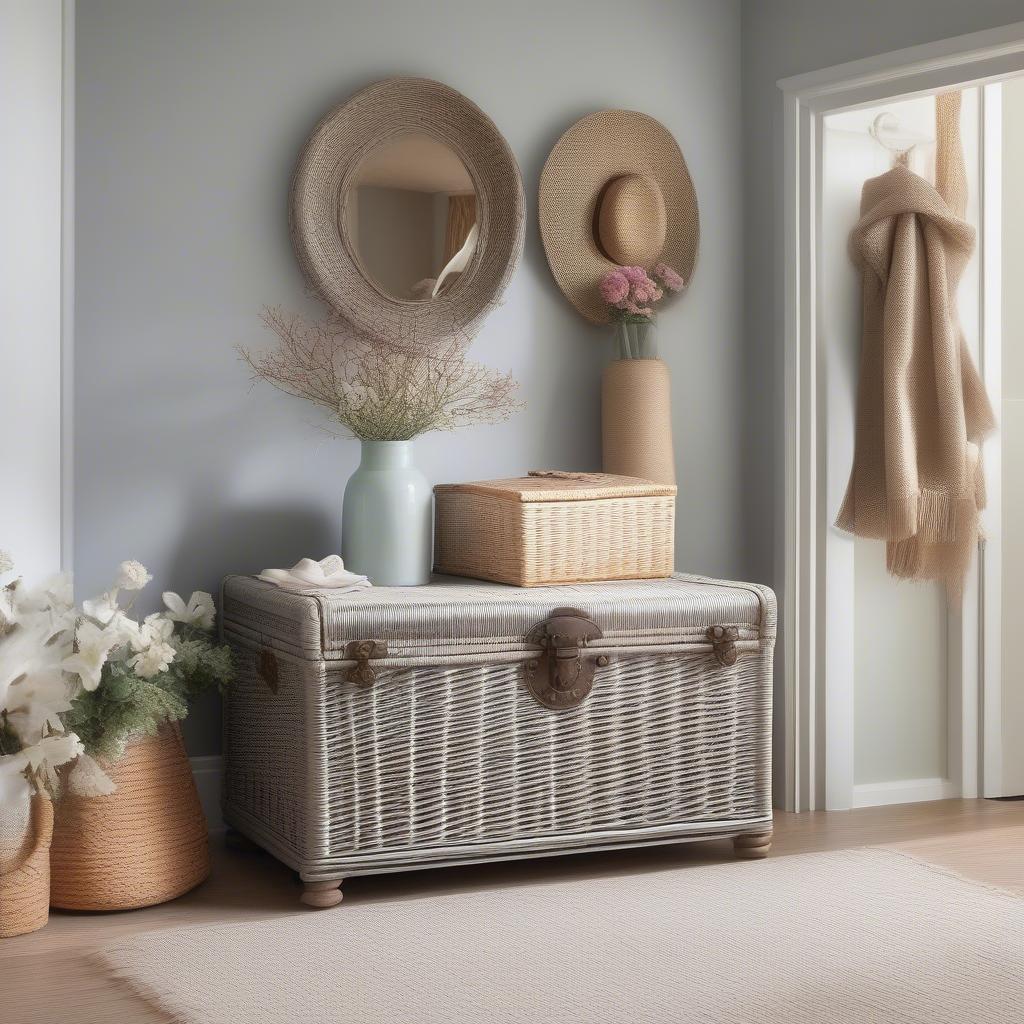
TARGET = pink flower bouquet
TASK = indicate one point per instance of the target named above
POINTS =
(632, 293)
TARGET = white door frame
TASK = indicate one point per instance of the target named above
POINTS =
(817, 588)
(36, 118)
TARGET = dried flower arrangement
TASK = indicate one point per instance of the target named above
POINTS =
(78, 684)
(376, 390)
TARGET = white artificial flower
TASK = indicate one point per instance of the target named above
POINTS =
(8, 610)
(60, 591)
(87, 778)
(36, 701)
(102, 608)
(156, 658)
(199, 611)
(93, 645)
(125, 631)
(155, 629)
(14, 787)
(26, 652)
(6, 561)
(132, 575)
(45, 757)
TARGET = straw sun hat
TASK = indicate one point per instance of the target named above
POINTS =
(615, 191)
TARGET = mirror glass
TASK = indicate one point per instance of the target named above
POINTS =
(411, 215)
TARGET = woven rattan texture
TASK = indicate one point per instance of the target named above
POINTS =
(460, 614)
(25, 888)
(593, 152)
(447, 757)
(539, 543)
(456, 756)
(145, 844)
(636, 419)
(325, 172)
(549, 485)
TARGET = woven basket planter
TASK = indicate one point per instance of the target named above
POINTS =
(25, 888)
(144, 844)
(636, 420)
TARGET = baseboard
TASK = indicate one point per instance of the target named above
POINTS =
(207, 771)
(904, 791)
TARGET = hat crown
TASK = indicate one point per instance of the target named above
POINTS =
(632, 222)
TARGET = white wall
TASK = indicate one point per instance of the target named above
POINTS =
(189, 118)
(1013, 437)
(31, 55)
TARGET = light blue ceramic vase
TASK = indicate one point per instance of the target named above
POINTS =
(387, 517)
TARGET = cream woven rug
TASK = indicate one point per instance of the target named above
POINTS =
(866, 936)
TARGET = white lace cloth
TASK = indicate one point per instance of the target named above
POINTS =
(310, 576)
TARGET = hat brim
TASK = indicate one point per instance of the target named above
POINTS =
(597, 148)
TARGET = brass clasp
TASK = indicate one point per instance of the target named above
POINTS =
(362, 673)
(562, 677)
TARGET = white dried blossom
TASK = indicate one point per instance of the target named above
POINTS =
(200, 610)
(132, 575)
(87, 778)
(378, 388)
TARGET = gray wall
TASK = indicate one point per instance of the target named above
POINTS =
(783, 38)
(189, 116)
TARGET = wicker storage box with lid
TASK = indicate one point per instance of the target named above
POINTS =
(465, 721)
(553, 527)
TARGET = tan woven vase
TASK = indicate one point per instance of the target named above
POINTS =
(25, 887)
(636, 420)
(144, 844)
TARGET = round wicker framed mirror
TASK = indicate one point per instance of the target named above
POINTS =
(406, 212)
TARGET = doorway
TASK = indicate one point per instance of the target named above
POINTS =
(891, 695)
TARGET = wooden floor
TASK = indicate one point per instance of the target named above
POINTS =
(45, 978)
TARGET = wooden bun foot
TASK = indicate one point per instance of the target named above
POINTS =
(751, 847)
(321, 895)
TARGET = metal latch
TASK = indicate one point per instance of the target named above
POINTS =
(362, 673)
(723, 640)
(563, 676)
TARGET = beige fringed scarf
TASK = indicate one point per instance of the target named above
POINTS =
(922, 411)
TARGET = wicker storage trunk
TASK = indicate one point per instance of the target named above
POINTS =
(464, 721)
(552, 527)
